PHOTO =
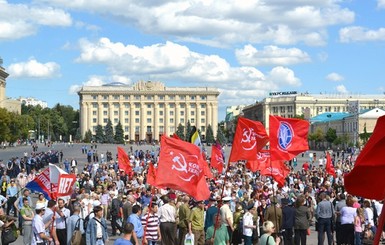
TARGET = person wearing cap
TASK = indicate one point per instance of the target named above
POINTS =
(96, 231)
(227, 216)
(27, 215)
(274, 213)
(210, 212)
(184, 213)
(38, 226)
(288, 219)
(248, 224)
(196, 223)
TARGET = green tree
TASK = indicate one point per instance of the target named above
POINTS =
(209, 135)
(109, 133)
(318, 136)
(88, 136)
(331, 135)
(119, 134)
(221, 136)
(365, 135)
(99, 134)
(188, 131)
(180, 131)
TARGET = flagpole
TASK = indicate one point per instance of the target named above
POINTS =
(274, 197)
(380, 226)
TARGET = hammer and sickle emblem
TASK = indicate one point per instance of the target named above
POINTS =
(247, 138)
(182, 166)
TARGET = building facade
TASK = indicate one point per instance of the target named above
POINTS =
(33, 102)
(5, 102)
(148, 109)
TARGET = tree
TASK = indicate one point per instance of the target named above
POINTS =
(209, 135)
(221, 136)
(365, 135)
(317, 137)
(88, 136)
(188, 131)
(119, 134)
(180, 131)
(99, 134)
(109, 133)
(331, 135)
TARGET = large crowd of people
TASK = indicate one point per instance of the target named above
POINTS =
(246, 208)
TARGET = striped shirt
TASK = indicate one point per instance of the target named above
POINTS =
(152, 226)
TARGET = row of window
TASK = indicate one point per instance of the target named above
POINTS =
(282, 109)
(149, 129)
(149, 120)
(138, 105)
(150, 97)
(148, 113)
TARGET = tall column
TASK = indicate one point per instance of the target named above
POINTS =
(177, 114)
(83, 119)
(132, 121)
(100, 113)
(143, 122)
(121, 113)
(209, 116)
(111, 111)
(155, 131)
(166, 119)
(198, 118)
(215, 118)
(188, 111)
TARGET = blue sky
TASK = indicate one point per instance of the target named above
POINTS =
(245, 48)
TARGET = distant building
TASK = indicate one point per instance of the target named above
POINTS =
(7, 103)
(33, 102)
(148, 110)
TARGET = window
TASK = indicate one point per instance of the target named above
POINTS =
(149, 105)
(150, 97)
(192, 97)
(203, 105)
(105, 120)
(282, 109)
(148, 129)
(192, 120)
(126, 105)
(126, 129)
(160, 113)
(136, 120)
(116, 113)
(94, 120)
(161, 129)
(105, 97)
(290, 109)
(94, 128)
(171, 113)
(172, 105)
(203, 129)
(172, 129)
(203, 113)
(116, 120)
(149, 113)
(125, 120)
(171, 97)
(161, 105)
(160, 120)
(94, 113)
(126, 113)
(192, 113)
(95, 105)
(126, 97)
(116, 97)
(137, 113)
(137, 97)
(182, 113)
(137, 105)
(137, 128)
(182, 97)
(275, 109)
(94, 97)
(105, 113)
(149, 120)
(182, 120)
(192, 105)
(105, 105)
(203, 120)
(182, 105)
(203, 97)
(171, 120)
(161, 97)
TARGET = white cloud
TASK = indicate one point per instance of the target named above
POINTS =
(270, 55)
(20, 20)
(225, 21)
(381, 3)
(361, 34)
(172, 62)
(34, 69)
(342, 89)
(335, 77)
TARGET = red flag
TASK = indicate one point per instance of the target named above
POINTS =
(175, 136)
(181, 167)
(250, 137)
(288, 137)
(276, 169)
(217, 159)
(329, 166)
(65, 185)
(263, 158)
(123, 161)
(151, 175)
(366, 178)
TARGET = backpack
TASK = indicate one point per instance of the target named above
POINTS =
(77, 237)
(86, 220)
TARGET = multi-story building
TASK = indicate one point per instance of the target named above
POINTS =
(33, 102)
(148, 109)
(7, 103)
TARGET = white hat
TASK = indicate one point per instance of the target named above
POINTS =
(40, 206)
(226, 199)
(96, 203)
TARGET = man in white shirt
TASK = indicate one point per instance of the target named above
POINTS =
(248, 225)
(61, 216)
(167, 216)
(38, 226)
